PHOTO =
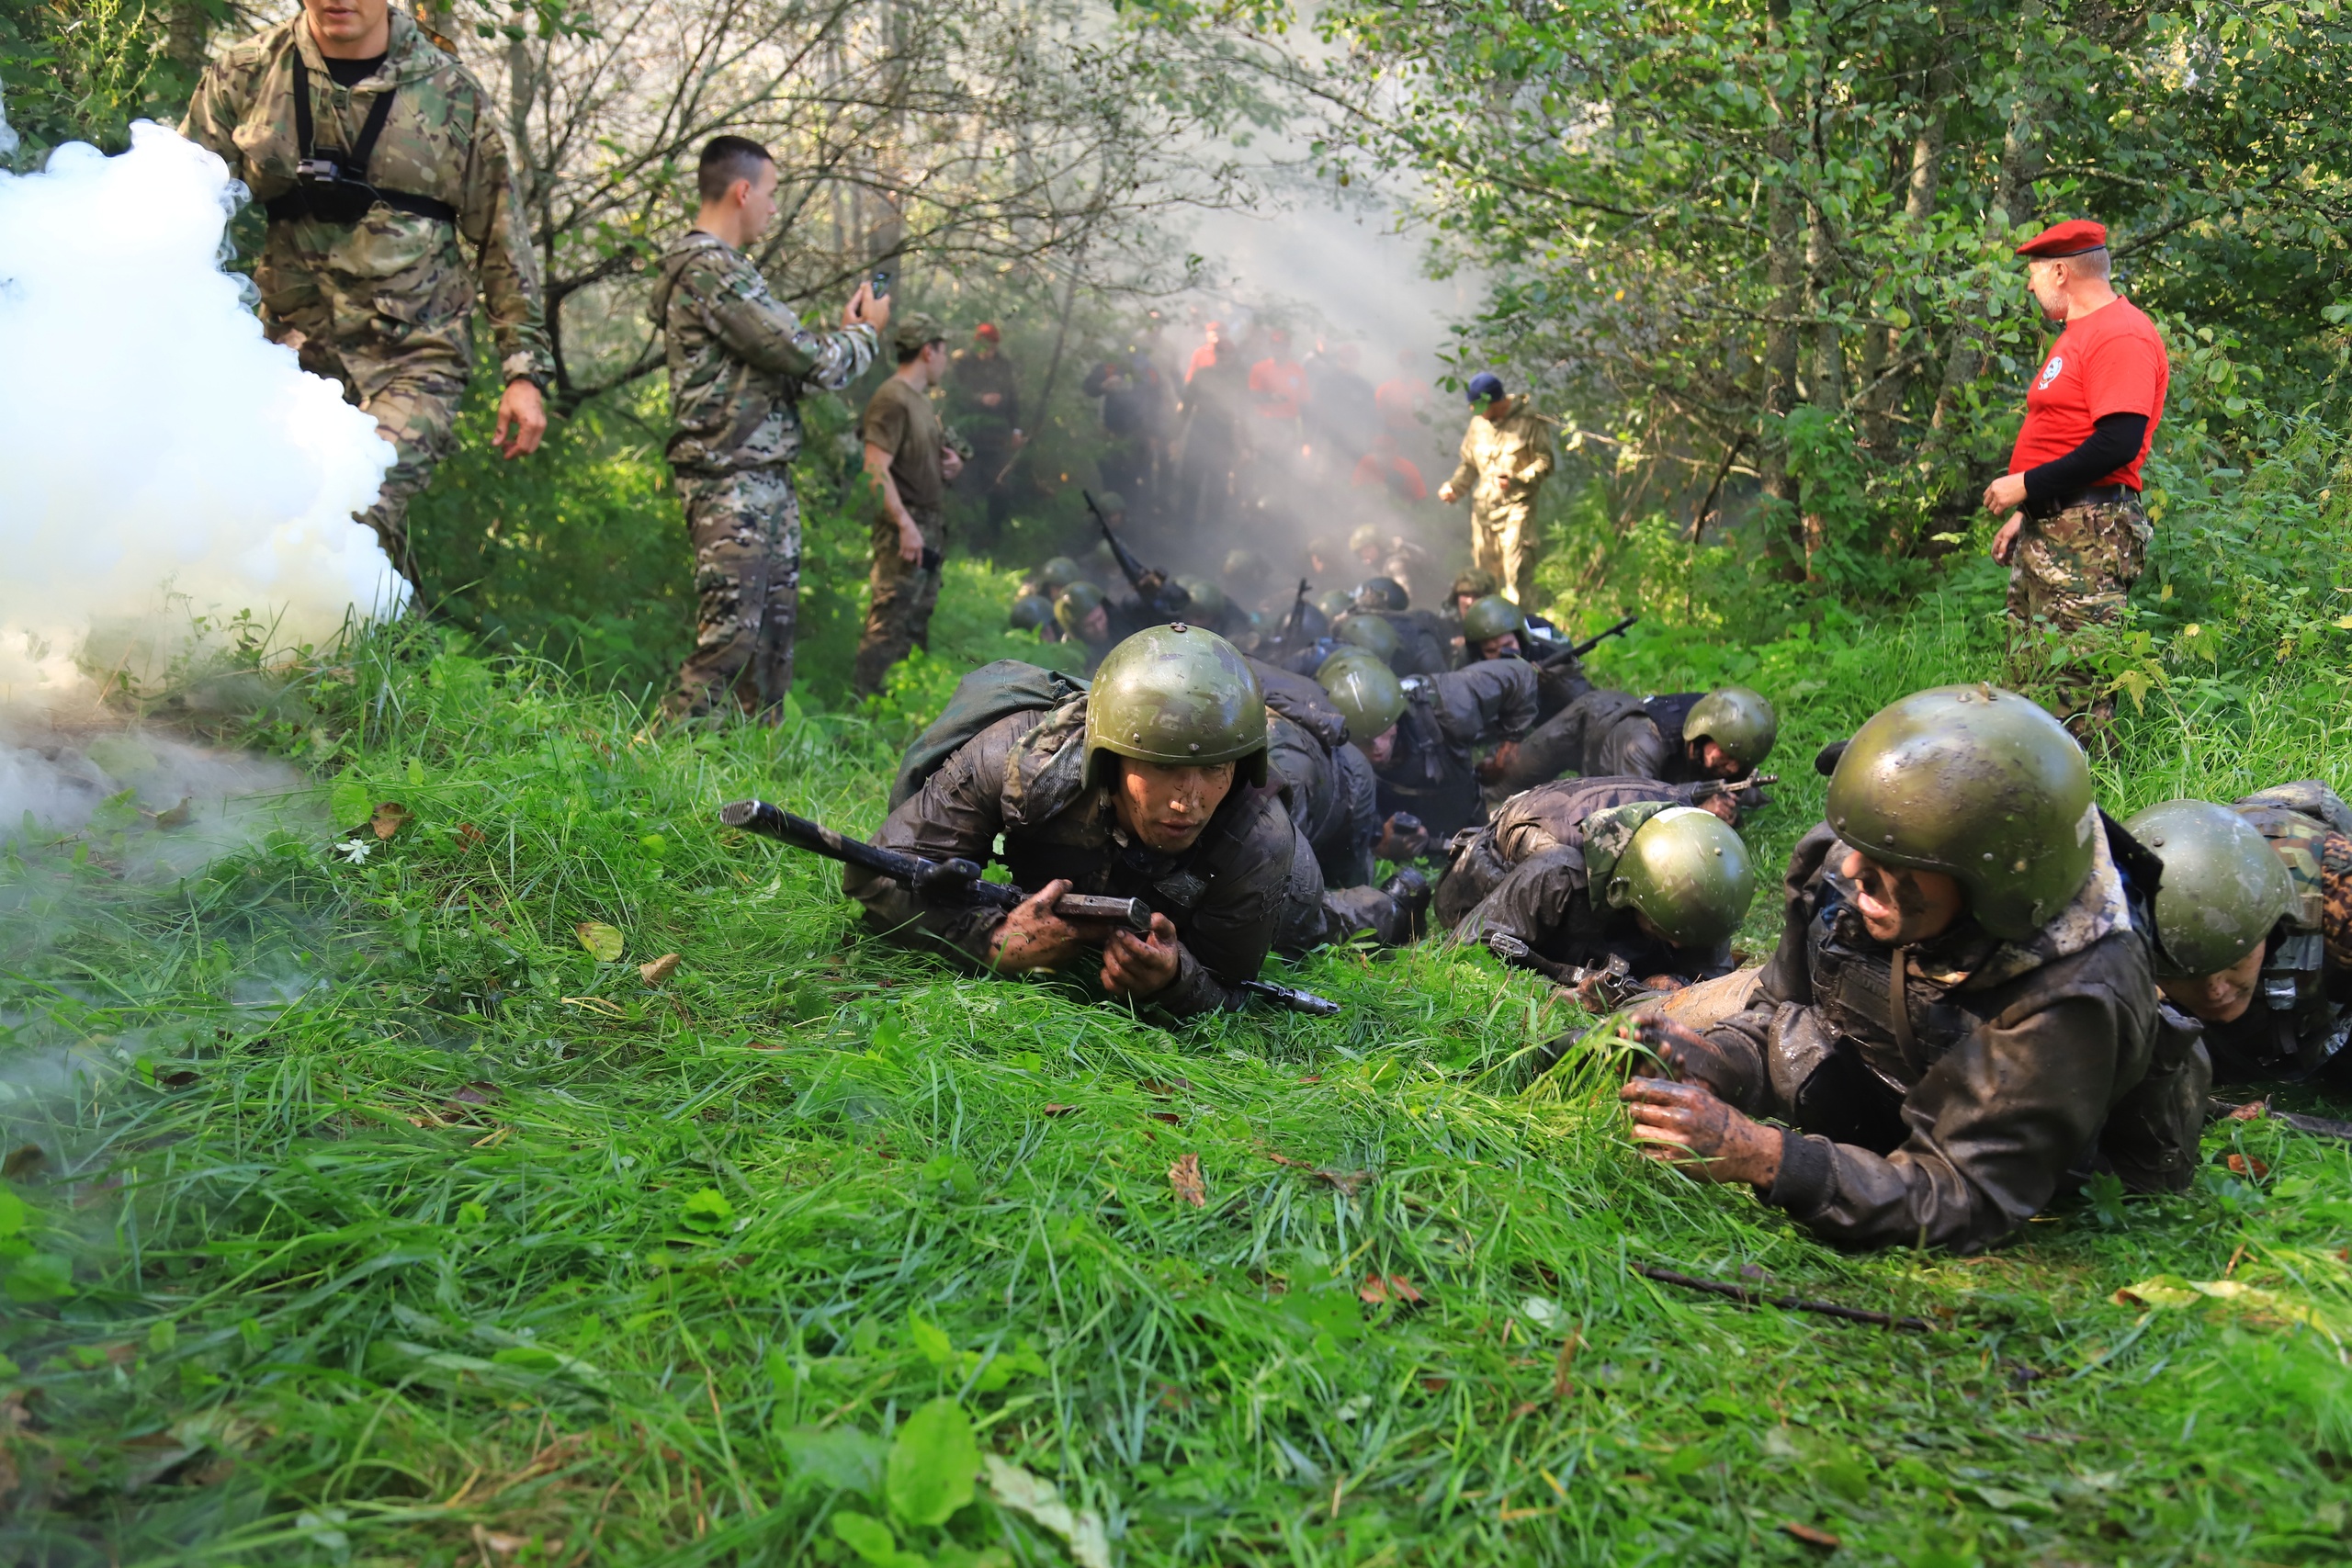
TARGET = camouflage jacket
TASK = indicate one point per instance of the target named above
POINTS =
(1504, 462)
(396, 284)
(2303, 1015)
(739, 360)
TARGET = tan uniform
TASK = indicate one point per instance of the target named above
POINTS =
(383, 304)
(1504, 463)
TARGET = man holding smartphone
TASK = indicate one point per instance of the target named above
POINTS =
(740, 361)
(911, 460)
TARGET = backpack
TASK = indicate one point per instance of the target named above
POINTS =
(987, 695)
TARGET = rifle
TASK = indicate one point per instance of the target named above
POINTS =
(958, 881)
(1577, 650)
(1710, 788)
(1158, 595)
(1617, 983)
(1297, 617)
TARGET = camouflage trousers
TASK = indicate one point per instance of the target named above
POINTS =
(2069, 572)
(1502, 540)
(413, 400)
(746, 531)
(1312, 916)
(902, 594)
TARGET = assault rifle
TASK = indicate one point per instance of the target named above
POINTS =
(1740, 790)
(1159, 596)
(959, 883)
(1577, 650)
(1616, 984)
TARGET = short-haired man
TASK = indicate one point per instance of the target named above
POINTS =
(1506, 456)
(911, 462)
(739, 363)
(2077, 538)
(362, 272)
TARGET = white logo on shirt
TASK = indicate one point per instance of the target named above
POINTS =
(2050, 372)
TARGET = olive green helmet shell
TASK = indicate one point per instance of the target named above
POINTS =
(1057, 574)
(1492, 616)
(1365, 535)
(1335, 601)
(1477, 582)
(1977, 783)
(1177, 695)
(1738, 720)
(1080, 600)
(1032, 611)
(1688, 873)
(2223, 885)
(1367, 692)
(1245, 566)
(1347, 653)
(1372, 634)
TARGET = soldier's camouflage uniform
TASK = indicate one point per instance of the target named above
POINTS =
(740, 361)
(1527, 873)
(1327, 787)
(1432, 772)
(2302, 1012)
(1503, 467)
(385, 305)
(1606, 733)
(1021, 778)
(2070, 570)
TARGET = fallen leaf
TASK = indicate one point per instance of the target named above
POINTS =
(2248, 1165)
(390, 819)
(1518, 1410)
(1285, 1159)
(24, 1162)
(1056, 1108)
(471, 835)
(659, 969)
(1082, 1528)
(478, 1092)
(1347, 1181)
(1811, 1536)
(1184, 1176)
(601, 940)
(502, 1545)
(1164, 1090)
(1168, 1116)
(1436, 1385)
(1312, 1077)
(178, 1078)
(2251, 1110)
(1379, 1288)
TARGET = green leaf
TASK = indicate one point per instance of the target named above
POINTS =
(709, 1211)
(869, 1537)
(603, 941)
(12, 1213)
(839, 1459)
(932, 1465)
(349, 801)
(40, 1277)
(931, 1339)
(162, 1336)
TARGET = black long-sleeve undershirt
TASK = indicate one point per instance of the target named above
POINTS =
(2113, 442)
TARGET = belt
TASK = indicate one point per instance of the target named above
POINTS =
(2096, 495)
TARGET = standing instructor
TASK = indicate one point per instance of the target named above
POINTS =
(2076, 536)
(379, 160)
(1506, 456)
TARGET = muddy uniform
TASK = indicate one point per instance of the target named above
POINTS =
(2302, 1012)
(740, 362)
(1333, 800)
(1432, 772)
(1502, 470)
(1608, 733)
(381, 300)
(1528, 874)
(1942, 1094)
(1022, 777)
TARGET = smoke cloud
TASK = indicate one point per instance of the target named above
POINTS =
(158, 455)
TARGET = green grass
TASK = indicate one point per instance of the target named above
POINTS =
(377, 1222)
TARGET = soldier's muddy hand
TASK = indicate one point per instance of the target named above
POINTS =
(1684, 1125)
(1138, 967)
(522, 409)
(1681, 1054)
(1033, 937)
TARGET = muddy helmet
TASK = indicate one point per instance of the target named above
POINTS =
(1382, 593)
(1491, 618)
(1077, 601)
(1977, 783)
(2223, 885)
(1738, 720)
(1244, 566)
(1477, 582)
(1057, 574)
(1208, 601)
(1365, 535)
(1367, 693)
(1373, 634)
(1345, 654)
(1688, 873)
(1177, 693)
(1032, 611)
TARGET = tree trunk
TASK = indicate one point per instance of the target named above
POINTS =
(1884, 389)
(1784, 275)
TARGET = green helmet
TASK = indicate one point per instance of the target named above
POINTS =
(1080, 600)
(1245, 566)
(1031, 611)
(1491, 618)
(1372, 634)
(1738, 720)
(1180, 695)
(1366, 534)
(1347, 653)
(1977, 783)
(1477, 582)
(1367, 694)
(1057, 574)
(1335, 601)
(2223, 885)
(1208, 600)
(1688, 873)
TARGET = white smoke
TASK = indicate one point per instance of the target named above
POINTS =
(155, 447)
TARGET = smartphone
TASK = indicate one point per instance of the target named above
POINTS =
(881, 284)
(931, 558)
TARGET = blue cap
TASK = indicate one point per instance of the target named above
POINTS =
(1486, 387)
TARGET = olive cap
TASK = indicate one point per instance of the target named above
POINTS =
(1032, 611)
(1477, 582)
(2223, 885)
(910, 332)
(1491, 618)
(1078, 601)
(1688, 873)
(1363, 535)
(1372, 634)
(1178, 695)
(1057, 574)
(1208, 599)
(1367, 694)
(1738, 720)
(1977, 783)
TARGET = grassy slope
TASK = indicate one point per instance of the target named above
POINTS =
(329, 1302)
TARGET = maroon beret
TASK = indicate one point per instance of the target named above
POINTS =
(2071, 237)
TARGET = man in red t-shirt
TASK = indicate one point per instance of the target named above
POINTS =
(1204, 355)
(1278, 382)
(2077, 538)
